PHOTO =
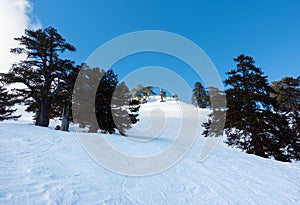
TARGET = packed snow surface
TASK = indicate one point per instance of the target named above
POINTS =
(44, 166)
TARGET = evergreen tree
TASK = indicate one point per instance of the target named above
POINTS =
(138, 93)
(103, 102)
(216, 119)
(148, 91)
(6, 102)
(217, 98)
(200, 97)
(163, 95)
(142, 93)
(86, 84)
(62, 101)
(123, 110)
(251, 122)
(111, 106)
(134, 107)
(40, 72)
(287, 93)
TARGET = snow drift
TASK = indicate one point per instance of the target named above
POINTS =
(44, 166)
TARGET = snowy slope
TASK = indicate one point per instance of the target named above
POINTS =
(44, 166)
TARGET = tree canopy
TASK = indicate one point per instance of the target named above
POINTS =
(42, 70)
(7, 100)
(200, 97)
(251, 121)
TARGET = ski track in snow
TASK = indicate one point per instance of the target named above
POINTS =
(43, 166)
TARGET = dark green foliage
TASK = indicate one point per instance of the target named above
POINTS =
(200, 97)
(122, 107)
(62, 101)
(251, 123)
(103, 102)
(148, 91)
(142, 93)
(40, 72)
(110, 110)
(294, 141)
(217, 98)
(6, 102)
(215, 125)
(138, 92)
(287, 93)
(83, 106)
(134, 107)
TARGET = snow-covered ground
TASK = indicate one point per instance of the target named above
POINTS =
(44, 166)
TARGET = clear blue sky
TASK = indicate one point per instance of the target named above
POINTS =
(267, 30)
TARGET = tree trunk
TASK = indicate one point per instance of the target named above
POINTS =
(37, 116)
(65, 119)
(258, 146)
(43, 113)
(93, 128)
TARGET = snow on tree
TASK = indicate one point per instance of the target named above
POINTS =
(287, 93)
(252, 123)
(7, 100)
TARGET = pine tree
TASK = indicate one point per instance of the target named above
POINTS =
(111, 108)
(40, 72)
(148, 91)
(251, 123)
(134, 107)
(200, 97)
(287, 93)
(138, 93)
(163, 95)
(83, 107)
(6, 102)
(62, 101)
(216, 119)
(103, 102)
(123, 112)
(142, 93)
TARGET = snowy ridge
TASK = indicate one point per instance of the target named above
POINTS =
(43, 166)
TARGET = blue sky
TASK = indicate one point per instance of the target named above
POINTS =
(267, 30)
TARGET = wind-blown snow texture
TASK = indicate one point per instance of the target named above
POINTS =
(43, 166)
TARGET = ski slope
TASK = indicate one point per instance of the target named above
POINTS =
(44, 166)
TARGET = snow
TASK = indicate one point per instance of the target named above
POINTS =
(44, 166)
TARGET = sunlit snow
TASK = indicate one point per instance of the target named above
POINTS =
(44, 166)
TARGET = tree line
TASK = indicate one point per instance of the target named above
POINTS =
(143, 93)
(258, 117)
(48, 85)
